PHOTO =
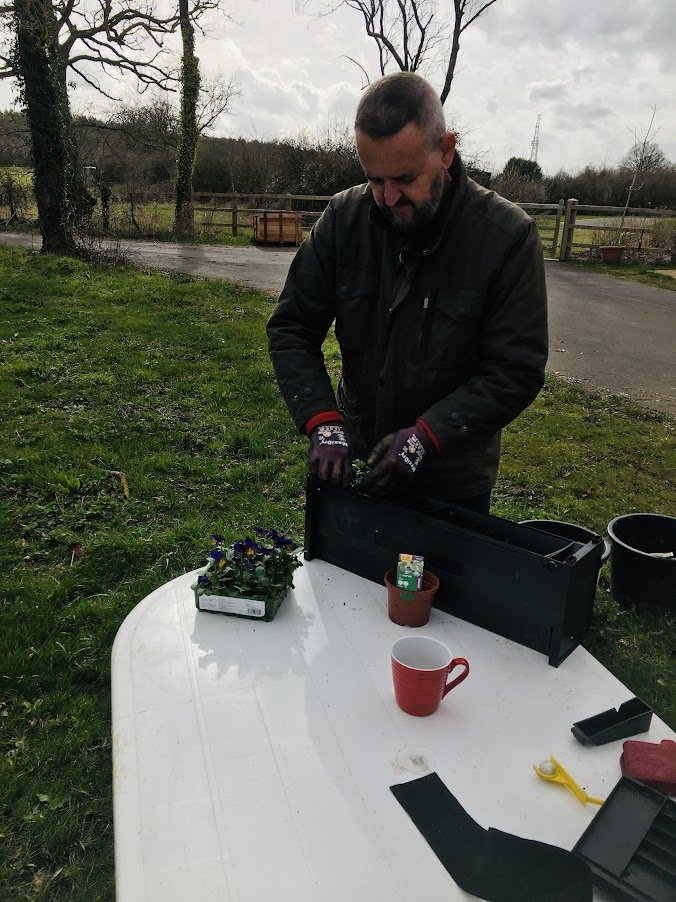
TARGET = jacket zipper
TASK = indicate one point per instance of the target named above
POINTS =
(425, 307)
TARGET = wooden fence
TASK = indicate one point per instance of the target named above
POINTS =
(638, 236)
(232, 211)
(557, 223)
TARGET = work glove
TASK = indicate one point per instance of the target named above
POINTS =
(396, 459)
(330, 457)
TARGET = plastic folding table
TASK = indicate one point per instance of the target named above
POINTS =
(252, 761)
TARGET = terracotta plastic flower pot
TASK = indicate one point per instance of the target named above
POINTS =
(410, 608)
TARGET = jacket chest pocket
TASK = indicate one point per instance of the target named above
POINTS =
(451, 328)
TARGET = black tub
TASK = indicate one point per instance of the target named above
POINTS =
(638, 574)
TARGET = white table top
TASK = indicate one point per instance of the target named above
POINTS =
(252, 761)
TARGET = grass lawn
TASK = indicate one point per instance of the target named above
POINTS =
(650, 275)
(140, 416)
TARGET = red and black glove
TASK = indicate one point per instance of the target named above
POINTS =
(330, 456)
(396, 459)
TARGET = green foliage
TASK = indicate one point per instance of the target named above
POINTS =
(525, 169)
(249, 569)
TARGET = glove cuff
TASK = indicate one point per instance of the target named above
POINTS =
(332, 417)
(429, 434)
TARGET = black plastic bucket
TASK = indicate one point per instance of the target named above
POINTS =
(637, 575)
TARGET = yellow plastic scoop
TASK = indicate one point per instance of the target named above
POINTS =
(552, 771)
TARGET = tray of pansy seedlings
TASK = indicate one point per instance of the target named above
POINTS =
(248, 577)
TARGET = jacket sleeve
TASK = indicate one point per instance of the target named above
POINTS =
(300, 323)
(513, 346)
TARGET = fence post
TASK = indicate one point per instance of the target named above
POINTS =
(557, 225)
(234, 216)
(568, 229)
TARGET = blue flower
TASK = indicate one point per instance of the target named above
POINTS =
(203, 580)
(217, 555)
(216, 538)
(283, 542)
(238, 547)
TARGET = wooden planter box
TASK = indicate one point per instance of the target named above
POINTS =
(277, 227)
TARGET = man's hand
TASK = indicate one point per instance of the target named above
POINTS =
(330, 457)
(396, 459)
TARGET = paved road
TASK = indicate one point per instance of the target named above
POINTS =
(608, 334)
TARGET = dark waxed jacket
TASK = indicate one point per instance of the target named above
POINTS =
(451, 328)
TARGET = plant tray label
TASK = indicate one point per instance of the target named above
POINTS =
(410, 571)
(228, 605)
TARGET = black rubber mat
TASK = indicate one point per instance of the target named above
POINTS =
(490, 864)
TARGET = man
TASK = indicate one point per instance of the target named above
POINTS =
(437, 290)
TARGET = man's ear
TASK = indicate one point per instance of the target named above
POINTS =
(447, 149)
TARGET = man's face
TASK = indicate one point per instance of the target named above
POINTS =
(406, 175)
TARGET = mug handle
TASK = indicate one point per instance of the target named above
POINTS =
(455, 663)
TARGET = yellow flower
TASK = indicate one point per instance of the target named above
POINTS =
(221, 563)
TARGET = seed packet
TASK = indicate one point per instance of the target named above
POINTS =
(410, 571)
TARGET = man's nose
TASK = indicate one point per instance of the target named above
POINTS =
(391, 194)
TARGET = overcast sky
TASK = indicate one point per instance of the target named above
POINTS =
(591, 68)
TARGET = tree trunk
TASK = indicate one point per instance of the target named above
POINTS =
(48, 114)
(184, 217)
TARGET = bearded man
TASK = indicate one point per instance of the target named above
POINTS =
(436, 287)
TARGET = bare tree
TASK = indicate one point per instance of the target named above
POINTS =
(412, 33)
(642, 159)
(115, 37)
(86, 38)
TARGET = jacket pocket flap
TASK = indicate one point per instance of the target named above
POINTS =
(460, 304)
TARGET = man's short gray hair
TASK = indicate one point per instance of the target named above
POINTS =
(392, 102)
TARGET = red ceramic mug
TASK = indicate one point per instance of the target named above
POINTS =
(420, 668)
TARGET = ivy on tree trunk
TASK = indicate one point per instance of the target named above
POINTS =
(46, 106)
(184, 217)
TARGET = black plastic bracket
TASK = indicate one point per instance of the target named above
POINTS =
(630, 719)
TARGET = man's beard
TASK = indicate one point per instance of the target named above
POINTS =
(422, 213)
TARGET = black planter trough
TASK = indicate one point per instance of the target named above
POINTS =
(642, 562)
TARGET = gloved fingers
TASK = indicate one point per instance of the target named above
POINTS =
(380, 449)
(347, 474)
(327, 467)
(313, 461)
(336, 470)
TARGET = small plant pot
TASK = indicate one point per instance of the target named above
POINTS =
(410, 608)
(611, 253)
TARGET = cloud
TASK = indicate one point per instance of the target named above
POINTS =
(546, 90)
